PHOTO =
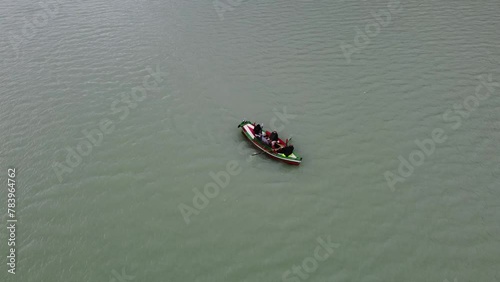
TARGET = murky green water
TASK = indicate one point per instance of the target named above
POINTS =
(118, 115)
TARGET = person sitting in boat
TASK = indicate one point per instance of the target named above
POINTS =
(275, 145)
(265, 139)
(274, 136)
(287, 151)
(257, 130)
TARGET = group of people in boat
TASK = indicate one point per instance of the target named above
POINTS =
(271, 140)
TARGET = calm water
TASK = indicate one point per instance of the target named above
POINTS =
(112, 211)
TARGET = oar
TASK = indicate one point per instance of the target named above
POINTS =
(255, 154)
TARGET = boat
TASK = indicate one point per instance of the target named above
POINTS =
(285, 155)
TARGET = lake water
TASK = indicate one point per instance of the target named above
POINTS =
(119, 115)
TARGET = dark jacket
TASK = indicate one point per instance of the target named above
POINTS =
(257, 130)
(286, 150)
(274, 136)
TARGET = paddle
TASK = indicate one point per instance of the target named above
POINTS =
(272, 149)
